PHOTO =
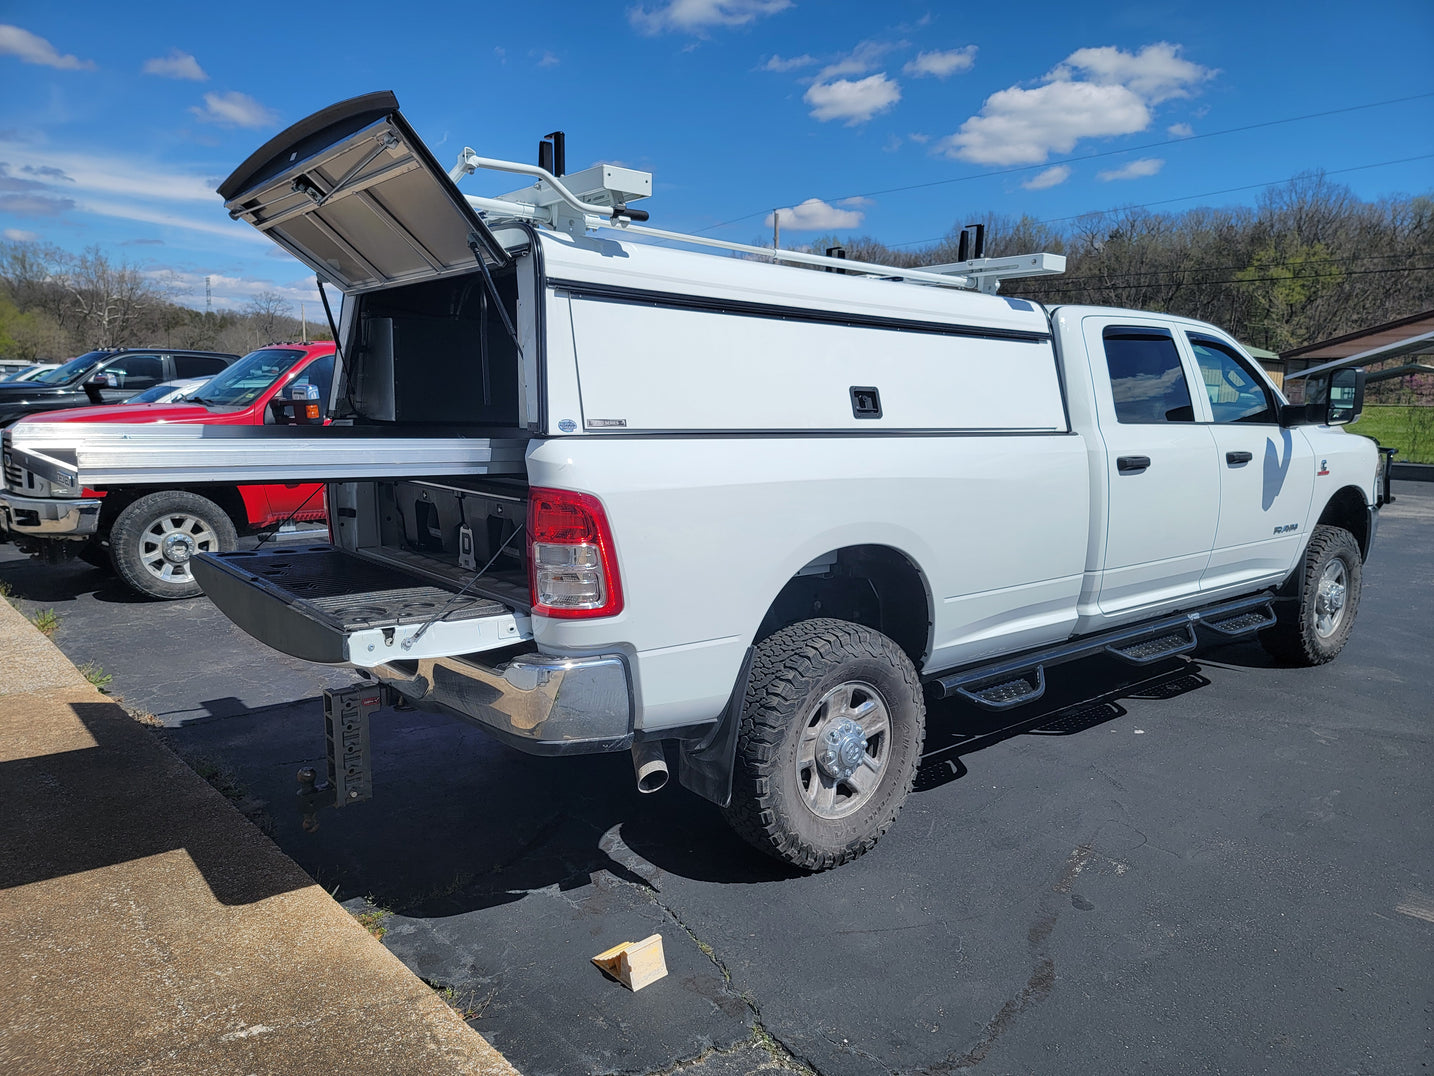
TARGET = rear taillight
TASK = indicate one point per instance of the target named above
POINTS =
(572, 569)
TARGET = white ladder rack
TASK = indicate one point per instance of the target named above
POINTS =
(551, 202)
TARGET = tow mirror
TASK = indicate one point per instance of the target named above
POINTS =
(1345, 397)
(1332, 399)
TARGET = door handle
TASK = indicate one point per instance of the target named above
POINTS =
(1232, 458)
(1126, 464)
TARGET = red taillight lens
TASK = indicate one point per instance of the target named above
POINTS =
(572, 570)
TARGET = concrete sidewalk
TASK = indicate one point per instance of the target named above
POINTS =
(147, 927)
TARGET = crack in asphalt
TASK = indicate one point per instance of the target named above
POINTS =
(1042, 978)
(617, 850)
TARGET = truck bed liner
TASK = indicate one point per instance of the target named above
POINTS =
(333, 606)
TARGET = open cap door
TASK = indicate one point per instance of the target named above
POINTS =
(354, 194)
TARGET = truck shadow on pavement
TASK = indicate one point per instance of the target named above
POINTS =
(1080, 697)
(460, 823)
(120, 800)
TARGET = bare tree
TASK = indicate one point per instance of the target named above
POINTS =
(110, 299)
(268, 314)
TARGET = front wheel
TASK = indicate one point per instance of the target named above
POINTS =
(153, 540)
(829, 742)
(1316, 630)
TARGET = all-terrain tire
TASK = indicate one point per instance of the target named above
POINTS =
(153, 540)
(1315, 629)
(825, 696)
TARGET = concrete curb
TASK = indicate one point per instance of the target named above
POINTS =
(1412, 472)
(147, 927)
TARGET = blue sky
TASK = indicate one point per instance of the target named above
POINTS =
(897, 120)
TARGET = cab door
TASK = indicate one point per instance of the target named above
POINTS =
(1266, 471)
(1162, 484)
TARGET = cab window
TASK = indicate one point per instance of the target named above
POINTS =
(133, 372)
(1147, 379)
(1236, 393)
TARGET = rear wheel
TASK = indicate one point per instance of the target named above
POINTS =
(1315, 631)
(829, 741)
(153, 540)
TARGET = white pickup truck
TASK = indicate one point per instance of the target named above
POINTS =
(597, 494)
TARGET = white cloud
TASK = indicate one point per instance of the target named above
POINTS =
(855, 102)
(1156, 72)
(19, 235)
(814, 215)
(919, 137)
(698, 16)
(942, 64)
(865, 57)
(1092, 93)
(1017, 126)
(776, 63)
(36, 50)
(217, 225)
(187, 286)
(34, 205)
(235, 109)
(1180, 130)
(1146, 166)
(176, 65)
(111, 175)
(1050, 177)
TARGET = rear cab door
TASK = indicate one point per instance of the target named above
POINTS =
(1163, 488)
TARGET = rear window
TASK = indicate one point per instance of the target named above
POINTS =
(1146, 377)
(245, 381)
(197, 365)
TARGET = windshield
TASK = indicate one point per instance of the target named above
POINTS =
(246, 380)
(71, 371)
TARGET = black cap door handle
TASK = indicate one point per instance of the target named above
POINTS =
(1233, 458)
(1132, 463)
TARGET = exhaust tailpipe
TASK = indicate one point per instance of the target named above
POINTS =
(650, 765)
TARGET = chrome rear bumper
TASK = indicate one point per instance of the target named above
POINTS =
(535, 702)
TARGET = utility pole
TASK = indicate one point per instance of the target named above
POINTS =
(304, 321)
(776, 232)
(208, 299)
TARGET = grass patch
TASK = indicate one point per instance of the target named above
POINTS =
(464, 1005)
(374, 919)
(48, 621)
(1409, 429)
(95, 675)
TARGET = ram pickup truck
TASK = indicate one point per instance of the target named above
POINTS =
(592, 493)
(149, 532)
(106, 376)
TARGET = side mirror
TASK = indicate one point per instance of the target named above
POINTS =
(1332, 399)
(1345, 397)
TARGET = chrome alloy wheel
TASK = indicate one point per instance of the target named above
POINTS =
(844, 749)
(1330, 598)
(170, 541)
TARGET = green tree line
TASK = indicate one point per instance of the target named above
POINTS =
(1308, 262)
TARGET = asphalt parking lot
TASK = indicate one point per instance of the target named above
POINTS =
(1220, 867)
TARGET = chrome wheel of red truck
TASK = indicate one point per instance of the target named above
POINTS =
(154, 539)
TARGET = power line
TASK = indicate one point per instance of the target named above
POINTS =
(1102, 153)
(1189, 197)
(1238, 280)
(1327, 259)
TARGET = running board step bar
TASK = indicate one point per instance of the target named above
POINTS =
(1019, 680)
